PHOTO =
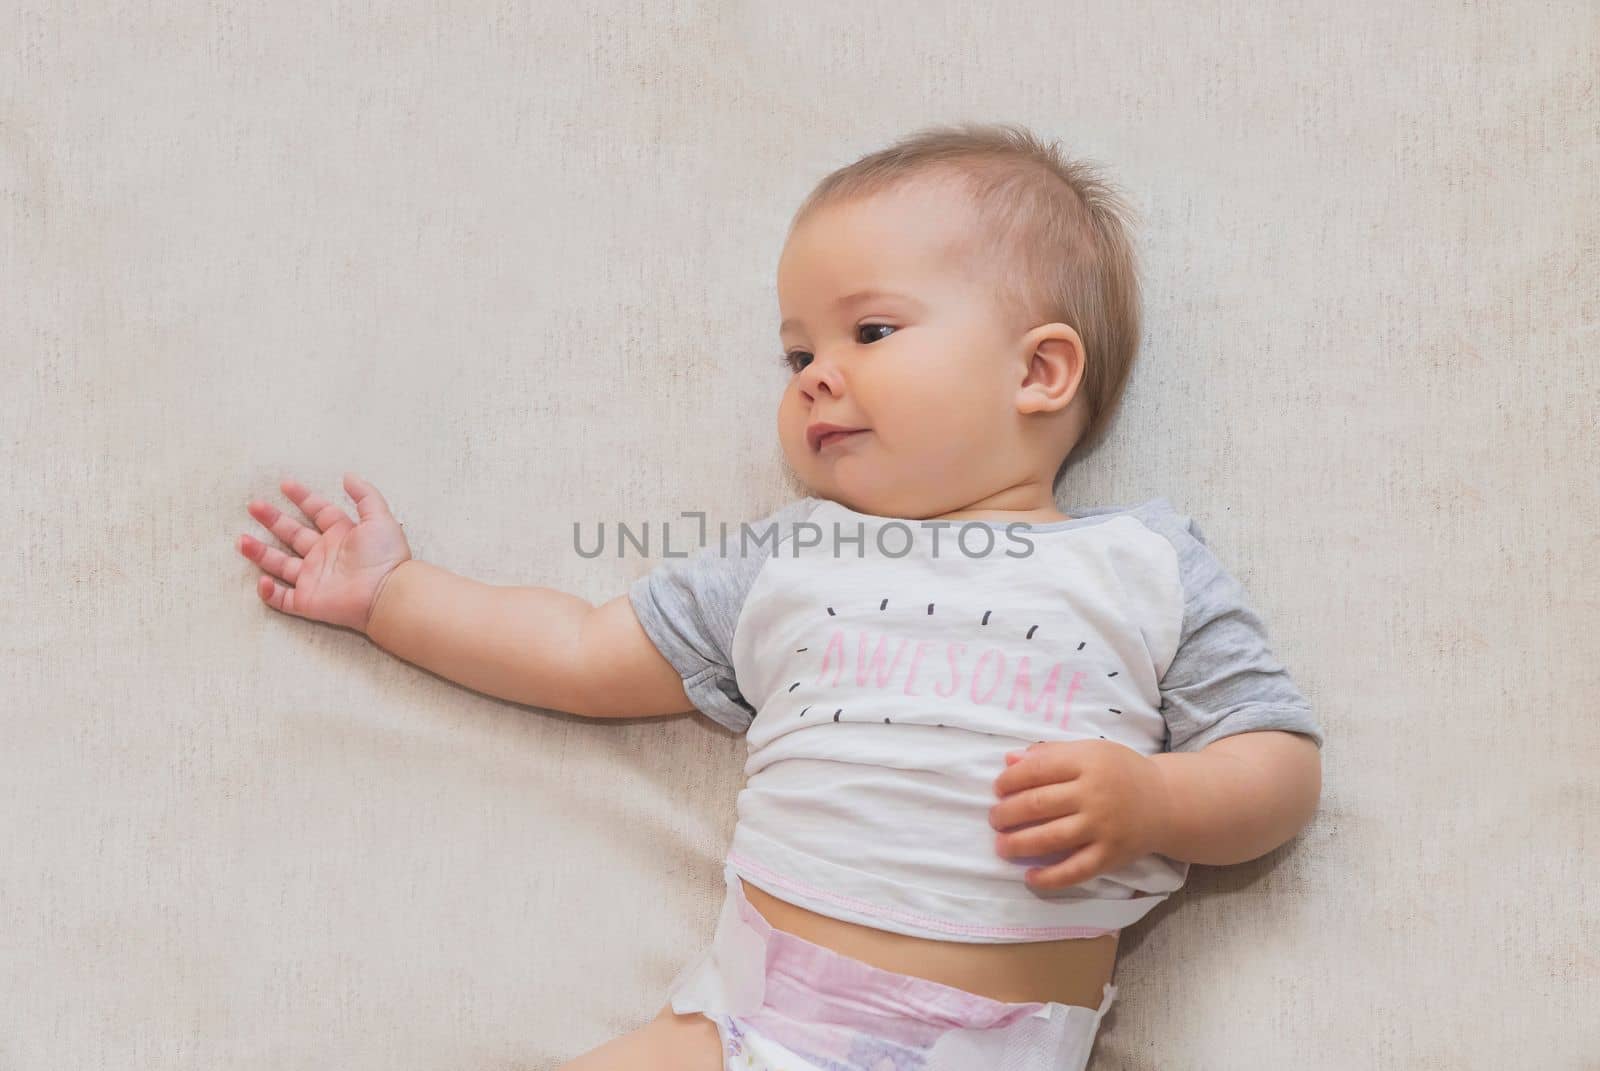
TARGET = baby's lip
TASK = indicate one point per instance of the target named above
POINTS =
(822, 434)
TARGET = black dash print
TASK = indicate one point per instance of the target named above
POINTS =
(886, 721)
(804, 709)
(797, 650)
(1080, 646)
(1031, 631)
(836, 714)
(793, 686)
(831, 613)
(882, 604)
(930, 608)
(1102, 736)
(1113, 673)
(1114, 710)
(986, 614)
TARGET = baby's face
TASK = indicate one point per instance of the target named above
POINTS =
(925, 368)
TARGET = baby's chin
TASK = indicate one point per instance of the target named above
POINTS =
(856, 479)
(865, 492)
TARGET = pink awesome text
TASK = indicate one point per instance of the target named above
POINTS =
(941, 668)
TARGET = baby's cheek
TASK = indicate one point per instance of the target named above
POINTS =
(951, 432)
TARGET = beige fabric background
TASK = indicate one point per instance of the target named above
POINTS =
(515, 263)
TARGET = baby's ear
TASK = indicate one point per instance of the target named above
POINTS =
(1055, 369)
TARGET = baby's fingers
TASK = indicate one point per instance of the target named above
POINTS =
(1077, 868)
(369, 503)
(323, 514)
(271, 559)
(276, 595)
(300, 538)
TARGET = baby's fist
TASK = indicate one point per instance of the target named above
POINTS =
(1099, 803)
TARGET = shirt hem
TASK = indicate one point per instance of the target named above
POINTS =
(804, 880)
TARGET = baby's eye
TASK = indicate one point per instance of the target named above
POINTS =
(792, 359)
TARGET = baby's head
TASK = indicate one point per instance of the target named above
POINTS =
(1003, 323)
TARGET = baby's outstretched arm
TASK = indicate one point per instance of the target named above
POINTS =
(532, 645)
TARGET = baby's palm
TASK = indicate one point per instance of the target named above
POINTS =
(334, 571)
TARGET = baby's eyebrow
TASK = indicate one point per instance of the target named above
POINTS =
(869, 294)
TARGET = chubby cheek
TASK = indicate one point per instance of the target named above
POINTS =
(931, 417)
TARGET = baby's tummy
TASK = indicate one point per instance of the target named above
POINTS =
(1065, 971)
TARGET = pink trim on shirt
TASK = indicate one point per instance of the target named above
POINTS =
(1032, 932)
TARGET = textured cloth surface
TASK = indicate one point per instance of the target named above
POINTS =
(515, 264)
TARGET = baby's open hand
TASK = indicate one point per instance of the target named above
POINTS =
(335, 570)
(1101, 801)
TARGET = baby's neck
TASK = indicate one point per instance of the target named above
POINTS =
(1014, 504)
(1042, 515)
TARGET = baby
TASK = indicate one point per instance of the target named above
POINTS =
(984, 735)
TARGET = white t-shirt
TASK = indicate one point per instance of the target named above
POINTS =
(881, 668)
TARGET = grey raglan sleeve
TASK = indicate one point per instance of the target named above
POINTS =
(689, 606)
(1224, 678)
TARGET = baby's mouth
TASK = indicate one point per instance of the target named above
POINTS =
(836, 437)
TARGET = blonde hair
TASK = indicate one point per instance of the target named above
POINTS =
(1053, 233)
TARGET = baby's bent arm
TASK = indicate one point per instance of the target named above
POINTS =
(1239, 797)
(532, 645)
